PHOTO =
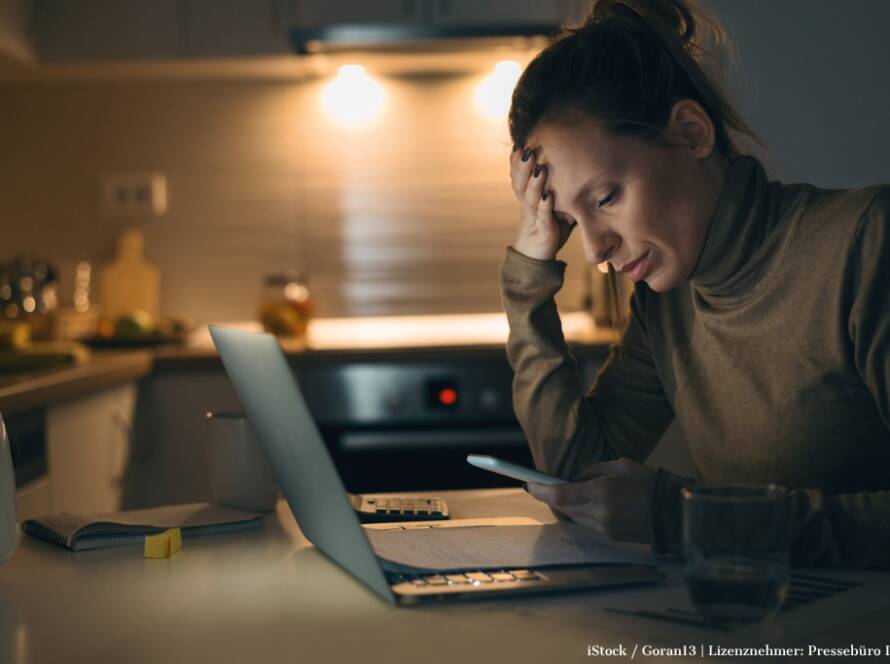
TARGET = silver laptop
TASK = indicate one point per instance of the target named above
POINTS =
(284, 426)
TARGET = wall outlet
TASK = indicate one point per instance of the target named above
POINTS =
(134, 194)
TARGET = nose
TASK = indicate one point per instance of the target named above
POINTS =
(598, 245)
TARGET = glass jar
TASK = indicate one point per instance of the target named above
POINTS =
(28, 288)
(286, 305)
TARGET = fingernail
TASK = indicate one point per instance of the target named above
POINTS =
(526, 154)
(537, 170)
(525, 487)
(544, 196)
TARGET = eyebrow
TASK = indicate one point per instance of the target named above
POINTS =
(587, 187)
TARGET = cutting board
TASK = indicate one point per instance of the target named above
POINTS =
(129, 281)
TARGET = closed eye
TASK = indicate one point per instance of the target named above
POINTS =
(608, 199)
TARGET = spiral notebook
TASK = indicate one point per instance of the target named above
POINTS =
(80, 532)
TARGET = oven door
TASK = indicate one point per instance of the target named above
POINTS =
(409, 425)
(416, 458)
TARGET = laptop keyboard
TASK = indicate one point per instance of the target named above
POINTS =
(466, 578)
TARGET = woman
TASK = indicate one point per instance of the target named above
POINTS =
(759, 318)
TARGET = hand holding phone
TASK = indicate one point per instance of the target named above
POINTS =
(513, 470)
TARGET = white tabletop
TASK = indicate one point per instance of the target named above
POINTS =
(269, 596)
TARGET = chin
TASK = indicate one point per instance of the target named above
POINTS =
(661, 283)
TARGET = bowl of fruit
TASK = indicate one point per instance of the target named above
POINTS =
(139, 328)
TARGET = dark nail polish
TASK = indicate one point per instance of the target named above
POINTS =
(544, 196)
(537, 170)
(526, 154)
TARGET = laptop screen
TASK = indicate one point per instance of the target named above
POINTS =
(275, 406)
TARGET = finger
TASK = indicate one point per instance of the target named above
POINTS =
(544, 217)
(515, 156)
(543, 492)
(545, 210)
(535, 189)
(521, 171)
(588, 515)
(562, 495)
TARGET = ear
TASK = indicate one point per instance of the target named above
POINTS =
(692, 126)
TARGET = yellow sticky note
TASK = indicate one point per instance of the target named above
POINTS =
(175, 540)
(163, 545)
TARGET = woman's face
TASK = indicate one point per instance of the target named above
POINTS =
(632, 200)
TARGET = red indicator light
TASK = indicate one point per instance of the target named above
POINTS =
(447, 396)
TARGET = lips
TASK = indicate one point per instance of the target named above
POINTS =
(635, 270)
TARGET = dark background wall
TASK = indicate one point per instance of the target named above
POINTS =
(813, 80)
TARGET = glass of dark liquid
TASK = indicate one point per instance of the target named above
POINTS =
(736, 542)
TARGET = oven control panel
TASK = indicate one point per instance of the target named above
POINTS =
(393, 392)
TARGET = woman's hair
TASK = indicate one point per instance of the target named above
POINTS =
(625, 67)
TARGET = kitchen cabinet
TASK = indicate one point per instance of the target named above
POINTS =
(88, 447)
(322, 13)
(27, 439)
(431, 13)
(168, 464)
(34, 500)
(107, 30)
(234, 28)
(472, 12)
(133, 30)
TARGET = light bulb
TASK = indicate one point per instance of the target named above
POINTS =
(352, 98)
(496, 90)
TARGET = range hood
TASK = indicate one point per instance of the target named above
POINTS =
(393, 37)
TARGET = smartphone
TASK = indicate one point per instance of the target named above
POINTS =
(513, 470)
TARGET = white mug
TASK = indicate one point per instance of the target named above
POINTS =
(9, 529)
(241, 475)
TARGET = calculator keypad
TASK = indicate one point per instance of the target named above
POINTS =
(385, 508)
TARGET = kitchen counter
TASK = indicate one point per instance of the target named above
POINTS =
(414, 338)
(408, 338)
(268, 595)
(23, 392)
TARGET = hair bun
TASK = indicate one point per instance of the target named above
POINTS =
(674, 16)
(680, 24)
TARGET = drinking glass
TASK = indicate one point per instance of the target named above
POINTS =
(736, 542)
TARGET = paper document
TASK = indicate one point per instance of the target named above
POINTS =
(495, 547)
(455, 523)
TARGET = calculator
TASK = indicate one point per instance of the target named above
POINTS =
(381, 508)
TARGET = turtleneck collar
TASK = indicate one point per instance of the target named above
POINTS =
(733, 254)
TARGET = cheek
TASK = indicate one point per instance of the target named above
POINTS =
(670, 227)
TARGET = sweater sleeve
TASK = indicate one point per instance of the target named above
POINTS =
(623, 415)
(851, 530)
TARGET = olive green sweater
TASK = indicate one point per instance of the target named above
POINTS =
(774, 358)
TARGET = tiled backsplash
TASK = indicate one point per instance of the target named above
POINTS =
(409, 216)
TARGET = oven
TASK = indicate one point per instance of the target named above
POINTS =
(408, 425)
